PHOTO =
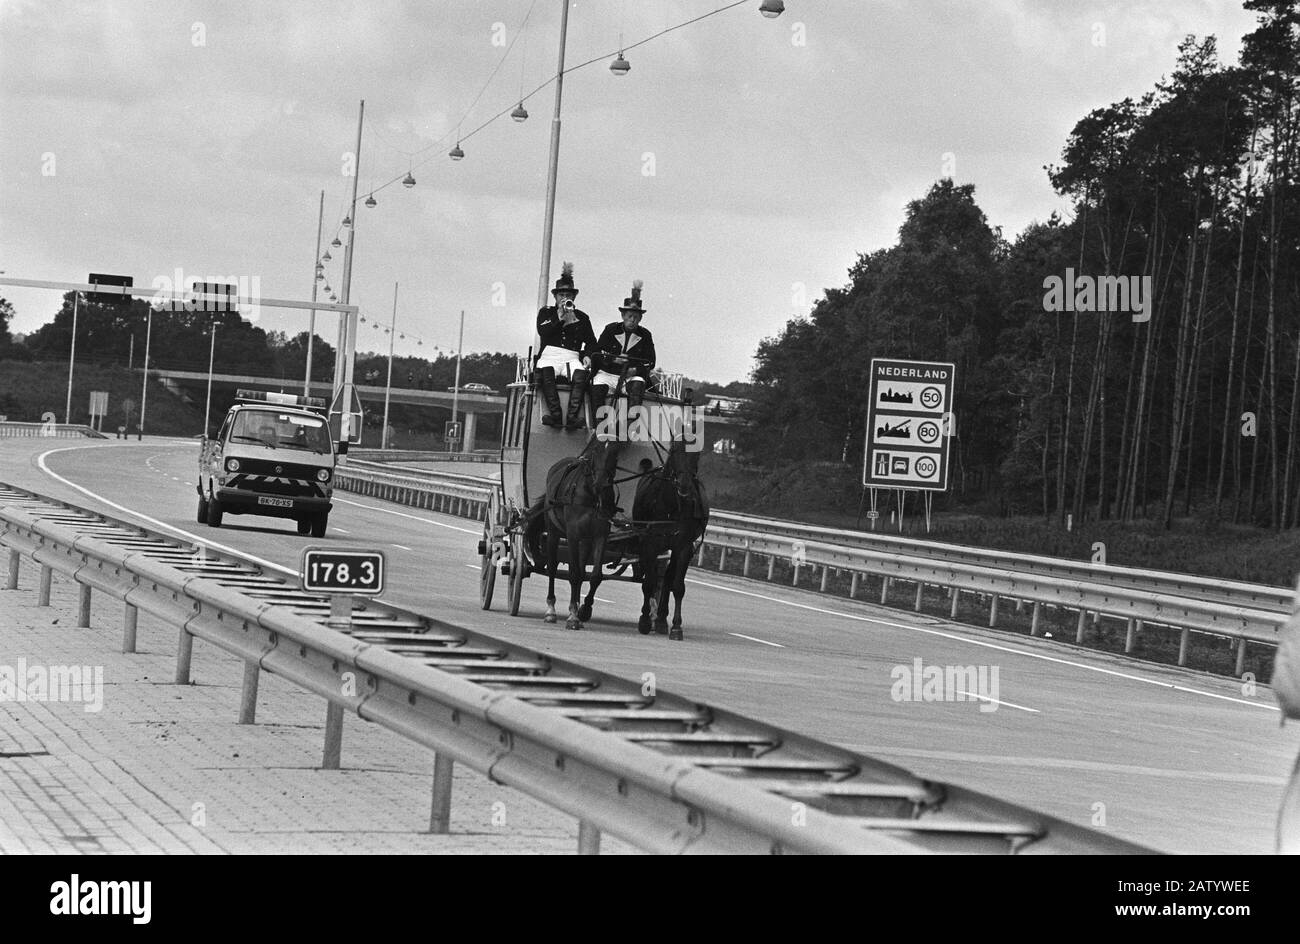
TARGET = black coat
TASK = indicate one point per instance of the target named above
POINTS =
(637, 343)
(578, 336)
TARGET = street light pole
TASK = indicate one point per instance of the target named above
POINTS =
(343, 383)
(388, 384)
(551, 173)
(311, 325)
(460, 344)
(72, 358)
(212, 350)
(144, 385)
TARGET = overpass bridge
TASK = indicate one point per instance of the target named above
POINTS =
(470, 404)
(716, 427)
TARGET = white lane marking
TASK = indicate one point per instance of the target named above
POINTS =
(995, 701)
(191, 484)
(756, 639)
(474, 566)
(402, 514)
(341, 530)
(987, 645)
(40, 461)
(402, 546)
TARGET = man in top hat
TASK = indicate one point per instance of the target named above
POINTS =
(568, 343)
(625, 348)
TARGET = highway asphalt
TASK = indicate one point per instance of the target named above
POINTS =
(1174, 759)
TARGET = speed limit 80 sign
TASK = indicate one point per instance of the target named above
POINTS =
(328, 570)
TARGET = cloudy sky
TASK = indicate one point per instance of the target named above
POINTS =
(739, 168)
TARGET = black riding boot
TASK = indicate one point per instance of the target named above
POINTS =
(577, 414)
(634, 387)
(599, 397)
(550, 396)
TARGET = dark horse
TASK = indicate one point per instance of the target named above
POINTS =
(673, 509)
(578, 506)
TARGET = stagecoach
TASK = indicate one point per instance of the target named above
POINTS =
(514, 541)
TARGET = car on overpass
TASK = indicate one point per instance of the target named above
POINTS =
(472, 388)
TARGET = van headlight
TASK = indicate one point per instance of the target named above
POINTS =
(232, 465)
(323, 475)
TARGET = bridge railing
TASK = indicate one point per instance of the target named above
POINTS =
(12, 428)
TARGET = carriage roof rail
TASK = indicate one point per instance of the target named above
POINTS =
(280, 399)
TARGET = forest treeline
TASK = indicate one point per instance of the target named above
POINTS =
(1191, 189)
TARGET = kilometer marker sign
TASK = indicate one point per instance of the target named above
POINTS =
(909, 425)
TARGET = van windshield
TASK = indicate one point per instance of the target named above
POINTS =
(281, 431)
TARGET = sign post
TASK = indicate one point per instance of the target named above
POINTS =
(341, 575)
(909, 426)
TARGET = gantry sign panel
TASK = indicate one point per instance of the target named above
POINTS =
(909, 425)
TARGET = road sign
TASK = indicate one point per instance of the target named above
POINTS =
(105, 298)
(98, 403)
(452, 432)
(909, 425)
(326, 570)
(214, 296)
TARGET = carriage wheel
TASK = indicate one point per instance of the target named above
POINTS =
(518, 571)
(487, 577)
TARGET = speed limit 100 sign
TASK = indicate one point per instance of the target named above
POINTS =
(327, 570)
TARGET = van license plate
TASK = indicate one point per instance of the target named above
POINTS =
(277, 502)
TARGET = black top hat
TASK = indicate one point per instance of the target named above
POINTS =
(633, 301)
(565, 282)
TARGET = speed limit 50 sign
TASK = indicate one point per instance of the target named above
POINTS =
(329, 570)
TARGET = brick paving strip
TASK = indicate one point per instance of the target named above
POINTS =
(163, 768)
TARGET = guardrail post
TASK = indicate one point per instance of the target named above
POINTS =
(993, 611)
(771, 565)
(884, 589)
(1183, 639)
(184, 654)
(588, 838)
(1033, 618)
(699, 558)
(722, 558)
(853, 585)
(248, 693)
(1130, 636)
(14, 560)
(129, 620)
(1241, 656)
(920, 591)
(1020, 605)
(794, 579)
(1078, 632)
(440, 811)
(744, 564)
(83, 606)
(43, 594)
(333, 736)
(956, 599)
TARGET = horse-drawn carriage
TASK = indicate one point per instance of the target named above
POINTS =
(644, 503)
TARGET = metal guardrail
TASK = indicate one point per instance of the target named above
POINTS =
(1242, 612)
(415, 455)
(664, 773)
(1134, 606)
(13, 428)
(447, 495)
(1236, 593)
